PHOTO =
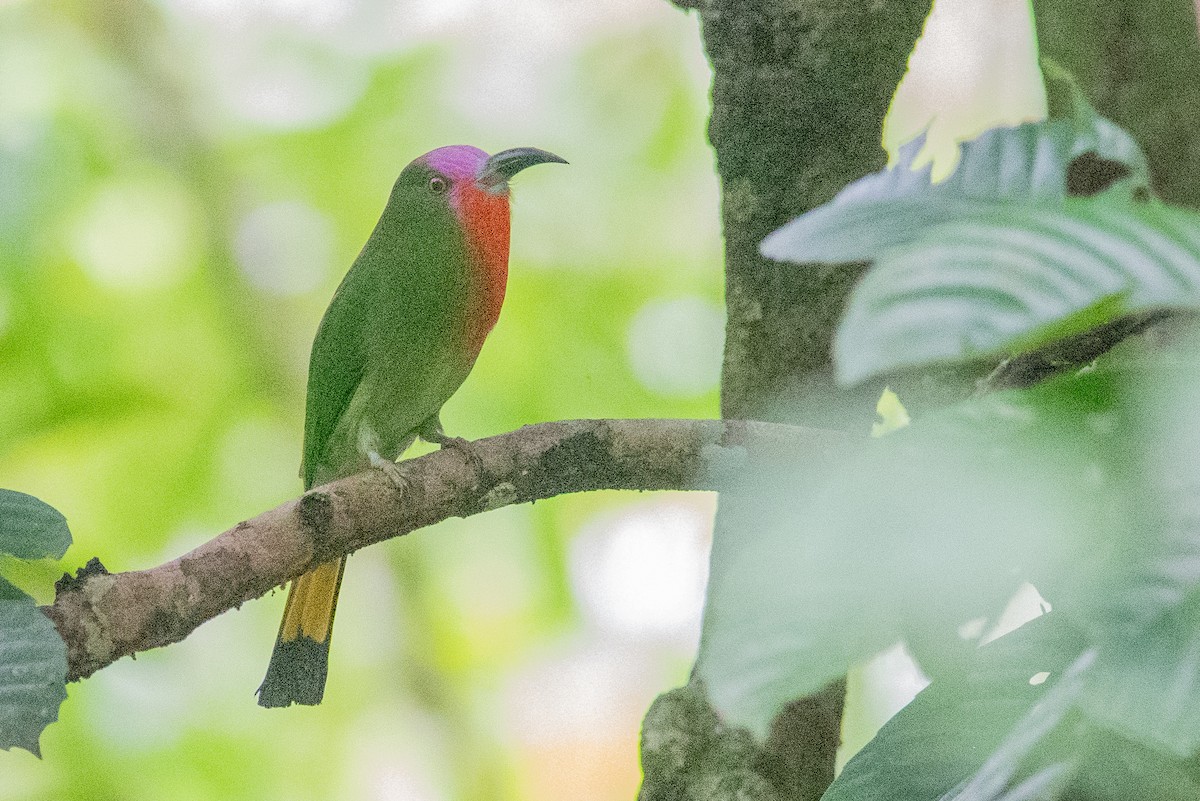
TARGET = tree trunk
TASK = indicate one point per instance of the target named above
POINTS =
(800, 89)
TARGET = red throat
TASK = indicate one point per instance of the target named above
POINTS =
(485, 219)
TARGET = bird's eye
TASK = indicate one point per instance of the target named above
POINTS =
(437, 184)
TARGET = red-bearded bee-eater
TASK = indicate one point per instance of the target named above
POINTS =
(400, 335)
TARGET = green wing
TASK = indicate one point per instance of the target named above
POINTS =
(334, 370)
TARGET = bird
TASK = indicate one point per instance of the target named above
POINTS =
(402, 332)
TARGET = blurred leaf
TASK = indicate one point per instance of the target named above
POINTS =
(953, 728)
(936, 524)
(1044, 785)
(1089, 484)
(1146, 682)
(1113, 768)
(908, 538)
(1147, 686)
(991, 781)
(996, 276)
(896, 205)
(1020, 165)
(31, 528)
(33, 670)
(989, 723)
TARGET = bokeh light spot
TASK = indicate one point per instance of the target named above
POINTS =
(28, 86)
(643, 572)
(285, 248)
(286, 85)
(135, 234)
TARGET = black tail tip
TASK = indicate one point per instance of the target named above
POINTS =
(296, 674)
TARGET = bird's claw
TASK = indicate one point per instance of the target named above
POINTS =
(391, 470)
(466, 449)
(432, 433)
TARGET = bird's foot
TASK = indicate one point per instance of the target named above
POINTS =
(459, 444)
(391, 470)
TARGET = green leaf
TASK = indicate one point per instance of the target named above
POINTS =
(987, 734)
(995, 276)
(992, 781)
(936, 524)
(953, 734)
(997, 255)
(1146, 686)
(33, 670)
(894, 206)
(1113, 767)
(1026, 164)
(1094, 133)
(31, 528)
(910, 537)
(1045, 785)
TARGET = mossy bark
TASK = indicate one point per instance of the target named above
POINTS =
(800, 90)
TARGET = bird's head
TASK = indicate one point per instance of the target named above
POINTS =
(460, 171)
(450, 208)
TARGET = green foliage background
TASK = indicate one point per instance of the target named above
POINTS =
(152, 387)
(182, 185)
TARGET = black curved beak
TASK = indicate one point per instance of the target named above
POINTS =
(501, 167)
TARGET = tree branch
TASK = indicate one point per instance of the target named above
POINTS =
(103, 617)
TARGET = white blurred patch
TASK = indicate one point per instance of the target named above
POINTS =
(393, 783)
(572, 714)
(675, 346)
(135, 233)
(285, 248)
(517, 52)
(388, 752)
(141, 707)
(1039, 678)
(875, 691)
(582, 691)
(1025, 605)
(283, 85)
(972, 629)
(974, 68)
(642, 572)
(275, 64)
(355, 27)
(234, 13)
(371, 627)
(29, 81)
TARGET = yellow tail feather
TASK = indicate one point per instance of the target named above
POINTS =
(300, 660)
(311, 603)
